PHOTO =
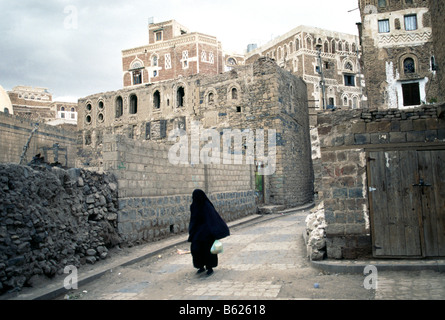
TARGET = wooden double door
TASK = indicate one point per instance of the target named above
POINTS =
(407, 202)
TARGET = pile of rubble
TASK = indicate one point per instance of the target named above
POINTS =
(315, 236)
(51, 218)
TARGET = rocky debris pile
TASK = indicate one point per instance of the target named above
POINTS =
(315, 233)
(51, 218)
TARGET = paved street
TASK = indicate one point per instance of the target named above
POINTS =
(265, 261)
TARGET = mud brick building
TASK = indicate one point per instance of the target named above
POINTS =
(327, 61)
(172, 52)
(37, 104)
(126, 132)
(402, 52)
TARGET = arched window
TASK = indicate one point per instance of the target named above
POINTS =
(333, 46)
(308, 43)
(133, 104)
(154, 60)
(157, 100)
(211, 98)
(180, 94)
(119, 107)
(234, 94)
(231, 62)
(409, 66)
(348, 66)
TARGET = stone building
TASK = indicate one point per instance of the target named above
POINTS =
(399, 58)
(128, 132)
(437, 20)
(37, 104)
(327, 61)
(172, 52)
(5, 102)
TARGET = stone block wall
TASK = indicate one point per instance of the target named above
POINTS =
(437, 14)
(155, 195)
(341, 166)
(15, 132)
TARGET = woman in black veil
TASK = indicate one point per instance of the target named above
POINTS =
(206, 226)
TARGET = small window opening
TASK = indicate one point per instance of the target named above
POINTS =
(234, 94)
(137, 77)
(409, 66)
(411, 94)
(180, 97)
(133, 104)
(211, 98)
(157, 100)
(119, 107)
(349, 80)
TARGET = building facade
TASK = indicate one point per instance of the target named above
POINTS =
(399, 59)
(37, 104)
(252, 97)
(172, 52)
(5, 102)
(327, 61)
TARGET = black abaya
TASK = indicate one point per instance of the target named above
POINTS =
(206, 226)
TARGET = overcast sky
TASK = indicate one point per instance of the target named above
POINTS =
(73, 47)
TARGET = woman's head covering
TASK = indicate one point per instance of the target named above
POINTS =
(199, 197)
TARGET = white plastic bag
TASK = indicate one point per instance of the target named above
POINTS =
(217, 247)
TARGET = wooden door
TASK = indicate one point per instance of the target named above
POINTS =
(395, 208)
(407, 203)
(432, 190)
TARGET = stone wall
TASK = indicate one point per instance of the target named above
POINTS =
(155, 195)
(15, 132)
(52, 218)
(437, 14)
(341, 176)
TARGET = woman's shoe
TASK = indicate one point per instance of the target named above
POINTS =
(201, 271)
(209, 272)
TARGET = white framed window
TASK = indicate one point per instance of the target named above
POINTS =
(154, 61)
(168, 61)
(411, 22)
(211, 58)
(384, 26)
(185, 57)
(203, 56)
